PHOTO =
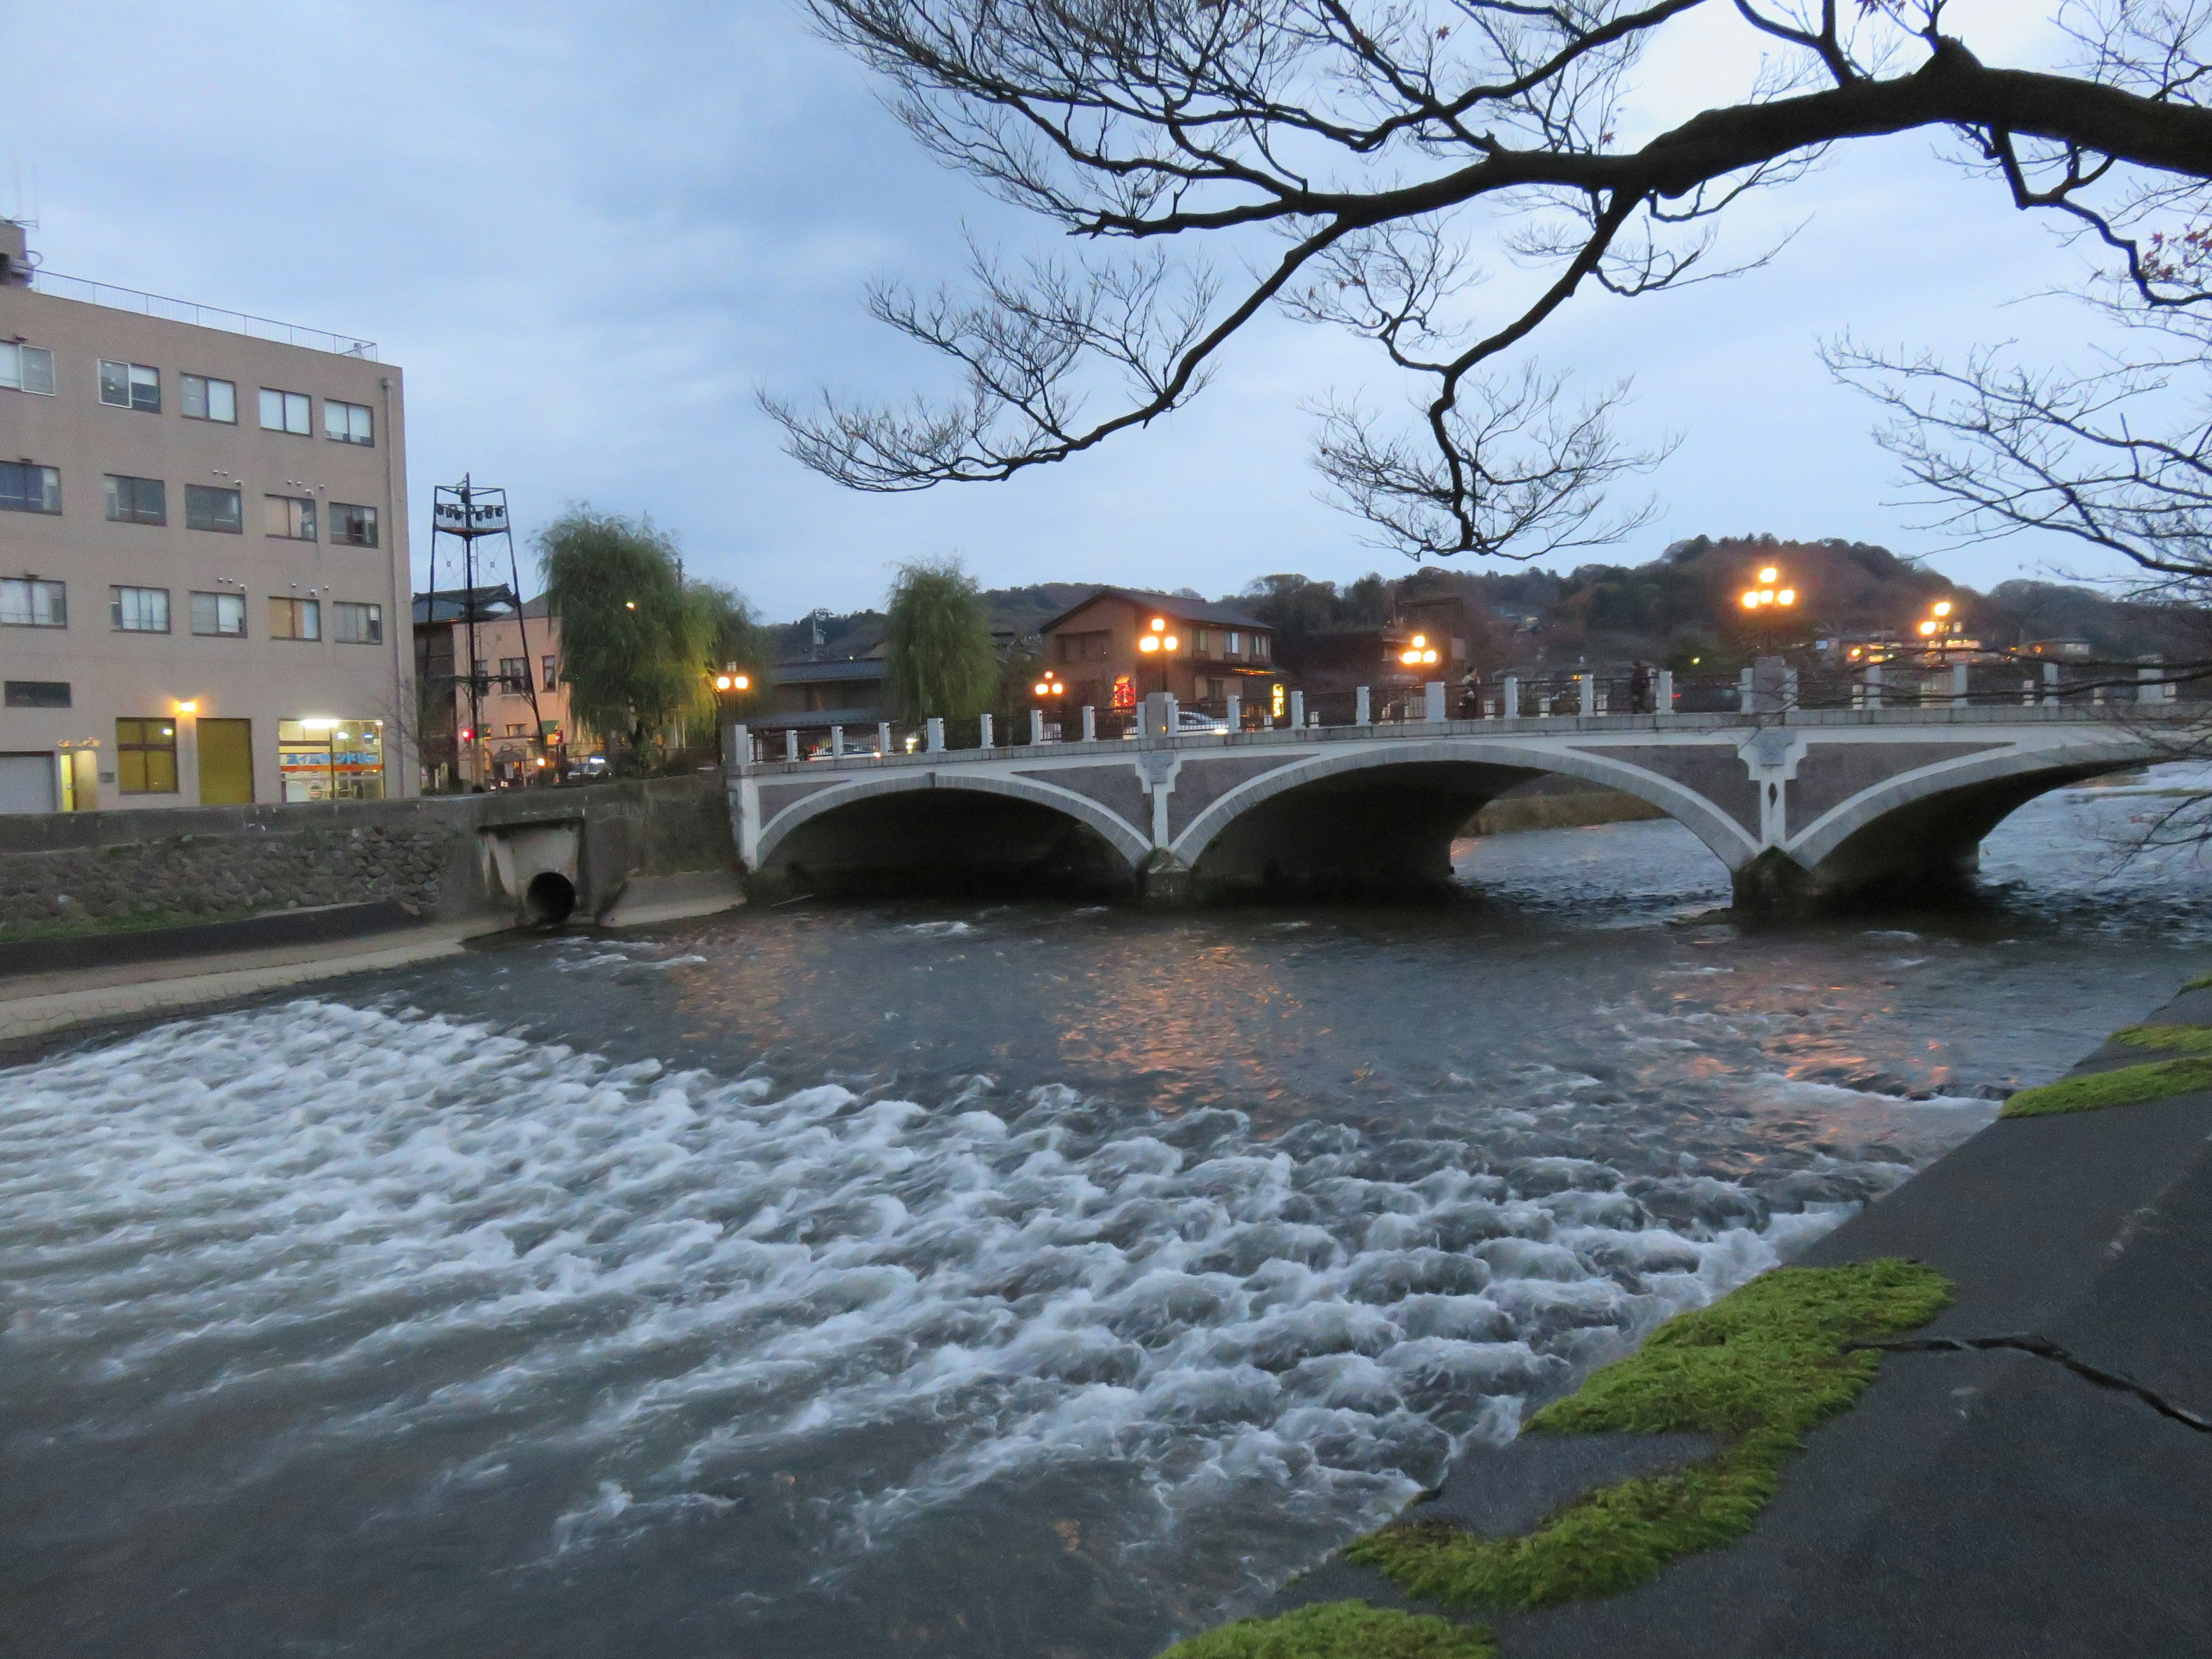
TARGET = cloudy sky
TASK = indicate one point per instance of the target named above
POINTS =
(587, 233)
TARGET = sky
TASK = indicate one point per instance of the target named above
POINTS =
(589, 234)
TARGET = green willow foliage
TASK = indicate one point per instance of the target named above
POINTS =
(639, 646)
(938, 659)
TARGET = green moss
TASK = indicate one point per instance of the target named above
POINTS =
(1757, 1368)
(1340, 1630)
(2130, 1086)
(141, 921)
(2176, 1039)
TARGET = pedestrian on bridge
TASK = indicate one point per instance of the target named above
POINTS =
(1470, 695)
(1639, 688)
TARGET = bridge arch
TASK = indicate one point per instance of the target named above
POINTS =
(1333, 817)
(1922, 829)
(909, 828)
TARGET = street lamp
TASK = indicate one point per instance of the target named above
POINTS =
(1418, 653)
(1765, 599)
(1157, 641)
(729, 685)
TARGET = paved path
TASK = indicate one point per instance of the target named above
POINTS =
(1975, 1505)
(35, 1005)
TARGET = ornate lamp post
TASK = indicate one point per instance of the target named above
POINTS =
(1156, 641)
(730, 685)
(1764, 600)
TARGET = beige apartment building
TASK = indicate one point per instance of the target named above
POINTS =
(203, 593)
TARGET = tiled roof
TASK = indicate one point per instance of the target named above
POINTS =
(1180, 608)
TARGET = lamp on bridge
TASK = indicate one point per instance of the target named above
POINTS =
(1939, 625)
(1157, 641)
(1767, 598)
(729, 685)
(1418, 653)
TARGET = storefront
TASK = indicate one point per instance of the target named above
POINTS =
(330, 759)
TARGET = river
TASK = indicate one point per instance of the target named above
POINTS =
(1031, 1281)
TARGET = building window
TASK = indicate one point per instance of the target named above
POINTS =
(347, 424)
(352, 526)
(1202, 641)
(1085, 648)
(219, 615)
(285, 411)
(131, 386)
(38, 694)
(514, 673)
(27, 368)
(25, 487)
(357, 624)
(295, 619)
(1236, 647)
(289, 518)
(146, 757)
(548, 681)
(517, 731)
(1260, 645)
(136, 500)
(207, 507)
(330, 759)
(26, 602)
(204, 399)
(139, 610)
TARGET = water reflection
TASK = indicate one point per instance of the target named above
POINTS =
(950, 1279)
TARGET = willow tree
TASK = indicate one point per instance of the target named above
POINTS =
(633, 643)
(936, 644)
(1359, 163)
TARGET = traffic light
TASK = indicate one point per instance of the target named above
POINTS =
(468, 735)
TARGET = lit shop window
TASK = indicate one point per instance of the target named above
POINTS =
(328, 759)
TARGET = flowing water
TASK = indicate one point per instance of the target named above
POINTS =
(949, 1280)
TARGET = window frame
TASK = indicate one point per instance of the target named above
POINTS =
(118, 624)
(136, 513)
(366, 611)
(201, 493)
(332, 510)
(299, 510)
(184, 398)
(154, 736)
(307, 429)
(218, 632)
(17, 503)
(310, 610)
(131, 386)
(331, 405)
(34, 585)
(21, 694)
(20, 383)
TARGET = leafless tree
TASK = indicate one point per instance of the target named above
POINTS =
(1346, 157)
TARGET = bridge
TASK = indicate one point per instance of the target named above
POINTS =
(1804, 806)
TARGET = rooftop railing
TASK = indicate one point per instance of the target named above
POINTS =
(184, 311)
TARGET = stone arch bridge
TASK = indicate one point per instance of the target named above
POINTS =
(1802, 808)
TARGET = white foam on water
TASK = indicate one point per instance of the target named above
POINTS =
(685, 1281)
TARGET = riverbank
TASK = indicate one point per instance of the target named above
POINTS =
(1554, 802)
(2028, 1475)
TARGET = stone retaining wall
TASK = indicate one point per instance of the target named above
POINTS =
(101, 869)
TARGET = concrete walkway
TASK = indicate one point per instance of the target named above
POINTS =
(39, 1005)
(1999, 1503)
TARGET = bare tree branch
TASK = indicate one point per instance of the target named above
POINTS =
(1360, 133)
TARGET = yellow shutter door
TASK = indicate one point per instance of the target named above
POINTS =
(226, 763)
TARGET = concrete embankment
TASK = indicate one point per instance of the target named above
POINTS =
(2029, 1473)
(125, 916)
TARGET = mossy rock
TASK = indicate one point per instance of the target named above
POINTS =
(1340, 1630)
(1759, 1367)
